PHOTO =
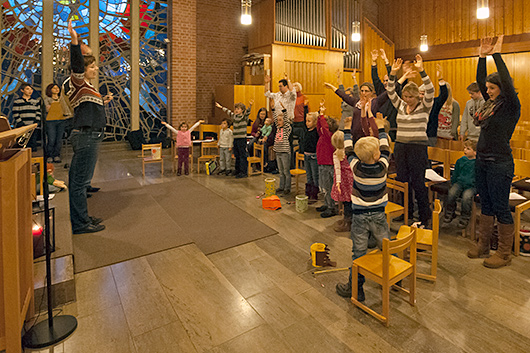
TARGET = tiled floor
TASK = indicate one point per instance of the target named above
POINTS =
(263, 297)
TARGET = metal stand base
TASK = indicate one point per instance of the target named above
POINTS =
(42, 335)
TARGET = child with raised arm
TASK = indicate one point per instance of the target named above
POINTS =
(343, 180)
(282, 148)
(369, 163)
(239, 119)
(310, 157)
(226, 142)
(183, 135)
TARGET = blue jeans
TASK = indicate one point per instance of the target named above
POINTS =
(86, 147)
(55, 131)
(283, 160)
(240, 153)
(325, 174)
(363, 225)
(311, 168)
(467, 196)
(494, 180)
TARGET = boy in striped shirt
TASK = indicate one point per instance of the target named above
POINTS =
(239, 119)
(369, 163)
(27, 111)
(282, 148)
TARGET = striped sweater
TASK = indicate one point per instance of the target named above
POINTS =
(411, 128)
(26, 112)
(240, 122)
(281, 140)
(369, 180)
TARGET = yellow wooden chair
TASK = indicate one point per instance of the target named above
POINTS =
(393, 209)
(522, 172)
(150, 157)
(387, 269)
(256, 159)
(427, 239)
(298, 171)
(207, 153)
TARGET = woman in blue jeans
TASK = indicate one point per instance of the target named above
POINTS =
(494, 165)
(55, 122)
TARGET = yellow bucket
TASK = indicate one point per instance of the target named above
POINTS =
(301, 203)
(270, 187)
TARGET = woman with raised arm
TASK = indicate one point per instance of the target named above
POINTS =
(410, 150)
(494, 166)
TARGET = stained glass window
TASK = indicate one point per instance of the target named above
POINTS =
(21, 47)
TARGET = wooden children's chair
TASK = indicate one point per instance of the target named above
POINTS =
(427, 239)
(387, 269)
(393, 209)
(298, 171)
(209, 151)
(256, 159)
(150, 156)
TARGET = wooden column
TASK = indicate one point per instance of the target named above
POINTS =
(135, 65)
(47, 44)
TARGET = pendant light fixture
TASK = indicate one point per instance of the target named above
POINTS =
(424, 44)
(356, 31)
(483, 10)
(246, 17)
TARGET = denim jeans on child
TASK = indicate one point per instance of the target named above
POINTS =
(284, 161)
(55, 130)
(325, 174)
(363, 225)
(311, 167)
(225, 158)
(467, 196)
(86, 147)
(240, 153)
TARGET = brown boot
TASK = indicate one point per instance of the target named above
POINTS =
(482, 247)
(502, 256)
(345, 226)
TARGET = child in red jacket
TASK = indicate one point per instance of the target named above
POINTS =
(326, 127)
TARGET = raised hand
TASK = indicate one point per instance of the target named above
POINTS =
(201, 121)
(347, 122)
(338, 73)
(164, 123)
(267, 79)
(439, 72)
(498, 45)
(73, 33)
(410, 74)
(251, 102)
(354, 76)
(419, 62)
(375, 55)
(486, 46)
(380, 120)
(383, 55)
(218, 105)
(396, 66)
(330, 86)
(306, 101)
(285, 76)
(322, 108)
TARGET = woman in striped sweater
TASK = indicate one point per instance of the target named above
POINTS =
(410, 150)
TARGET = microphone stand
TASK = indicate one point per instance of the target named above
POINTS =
(48, 332)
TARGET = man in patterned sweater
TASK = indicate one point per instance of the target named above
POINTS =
(27, 111)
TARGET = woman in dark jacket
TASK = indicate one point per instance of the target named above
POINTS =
(494, 166)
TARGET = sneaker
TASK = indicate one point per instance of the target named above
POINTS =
(462, 224)
(57, 159)
(447, 219)
(344, 290)
(328, 213)
(321, 208)
(279, 190)
(286, 192)
(91, 228)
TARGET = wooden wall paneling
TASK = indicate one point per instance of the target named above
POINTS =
(498, 12)
(465, 14)
(518, 16)
(451, 20)
(508, 17)
(261, 32)
(458, 21)
(526, 18)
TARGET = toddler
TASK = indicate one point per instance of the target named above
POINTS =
(225, 143)
(343, 181)
(183, 144)
(462, 185)
(310, 157)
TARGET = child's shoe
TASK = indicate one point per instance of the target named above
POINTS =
(447, 218)
(321, 208)
(462, 223)
(286, 192)
(329, 213)
(279, 191)
(221, 172)
(344, 290)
